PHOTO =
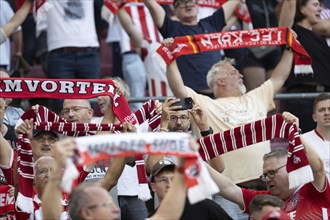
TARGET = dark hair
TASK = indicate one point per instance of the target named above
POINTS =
(319, 98)
(169, 168)
(299, 16)
(259, 201)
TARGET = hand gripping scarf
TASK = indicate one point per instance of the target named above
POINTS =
(6, 202)
(297, 165)
(199, 43)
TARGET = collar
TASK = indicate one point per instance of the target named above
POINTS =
(318, 134)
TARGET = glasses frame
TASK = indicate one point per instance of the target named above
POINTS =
(174, 120)
(165, 180)
(270, 174)
(183, 4)
(66, 111)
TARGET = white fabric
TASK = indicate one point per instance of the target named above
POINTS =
(156, 72)
(128, 184)
(139, 12)
(114, 31)
(66, 31)
(322, 147)
(6, 13)
(37, 215)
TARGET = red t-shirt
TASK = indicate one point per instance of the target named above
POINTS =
(305, 203)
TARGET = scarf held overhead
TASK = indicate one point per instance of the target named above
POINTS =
(67, 89)
(199, 43)
(297, 165)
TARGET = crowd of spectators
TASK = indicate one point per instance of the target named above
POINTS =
(204, 94)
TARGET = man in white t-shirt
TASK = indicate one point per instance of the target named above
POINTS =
(320, 136)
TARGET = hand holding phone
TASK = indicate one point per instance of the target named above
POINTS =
(185, 103)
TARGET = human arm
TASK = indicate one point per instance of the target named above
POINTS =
(128, 25)
(173, 204)
(229, 8)
(52, 194)
(288, 12)
(5, 152)
(312, 156)
(228, 189)
(18, 18)
(322, 27)
(175, 80)
(18, 42)
(116, 167)
(282, 71)
(156, 11)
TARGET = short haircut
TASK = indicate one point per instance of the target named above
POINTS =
(35, 165)
(259, 201)
(79, 199)
(277, 153)
(299, 16)
(319, 98)
(216, 68)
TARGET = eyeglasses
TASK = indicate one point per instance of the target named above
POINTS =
(50, 140)
(164, 180)
(43, 172)
(66, 111)
(266, 177)
(184, 3)
(183, 118)
(103, 204)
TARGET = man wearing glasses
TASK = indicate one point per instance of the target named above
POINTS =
(193, 68)
(77, 110)
(161, 181)
(311, 200)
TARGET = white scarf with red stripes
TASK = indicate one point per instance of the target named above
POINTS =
(297, 165)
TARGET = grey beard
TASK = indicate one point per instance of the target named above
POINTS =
(242, 89)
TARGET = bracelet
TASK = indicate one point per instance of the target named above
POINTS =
(207, 132)
(179, 169)
(163, 129)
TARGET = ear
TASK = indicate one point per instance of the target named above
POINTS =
(314, 117)
(153, 186)
(90, 113)
(86, 214)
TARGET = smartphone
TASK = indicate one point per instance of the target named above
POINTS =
(186, 103)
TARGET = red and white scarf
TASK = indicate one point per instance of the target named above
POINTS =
(6, 202)
(297, 165)
(199, 43)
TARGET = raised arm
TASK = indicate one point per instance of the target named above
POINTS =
(282, 71)
(17, 19)
(128, 25)
(229, 8)
(322, 27)
(312, 156)
(156, 11)
(175, 80)
(287, 13)
(228, 189)
(173, 204)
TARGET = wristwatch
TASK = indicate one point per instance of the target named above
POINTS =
(207, 132)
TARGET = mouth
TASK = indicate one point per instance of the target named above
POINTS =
(45, 148)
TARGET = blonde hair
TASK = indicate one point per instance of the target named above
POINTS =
(215, 69)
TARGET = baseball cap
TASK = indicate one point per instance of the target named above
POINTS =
(39, 132)
(276, 215)
(161, 165)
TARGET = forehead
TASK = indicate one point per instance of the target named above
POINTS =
(45, 163)
(323, 104)
(165, 173)
(179, 113)
(75, 102)
(44, 134)
(273, 163)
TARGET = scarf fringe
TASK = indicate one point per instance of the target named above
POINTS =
(144, 192)
(300, 176)
(303, 69)
(25, 204)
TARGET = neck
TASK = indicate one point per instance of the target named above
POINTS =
(324, 131)
(305, 24)
(109, 117)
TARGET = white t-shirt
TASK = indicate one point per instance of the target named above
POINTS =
(71, 25)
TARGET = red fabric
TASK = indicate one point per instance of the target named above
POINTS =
(199, 43)
(66, 89)
(255, 132)
(6, 202)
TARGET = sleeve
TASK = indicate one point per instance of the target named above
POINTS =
(216, 20)
(168, 28)
(248, 195)
(3, 36)
(8, 171)
(264, 94)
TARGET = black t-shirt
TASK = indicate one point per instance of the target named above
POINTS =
(195, 67)
(203, 210)
(11, 137)
(319, 51)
